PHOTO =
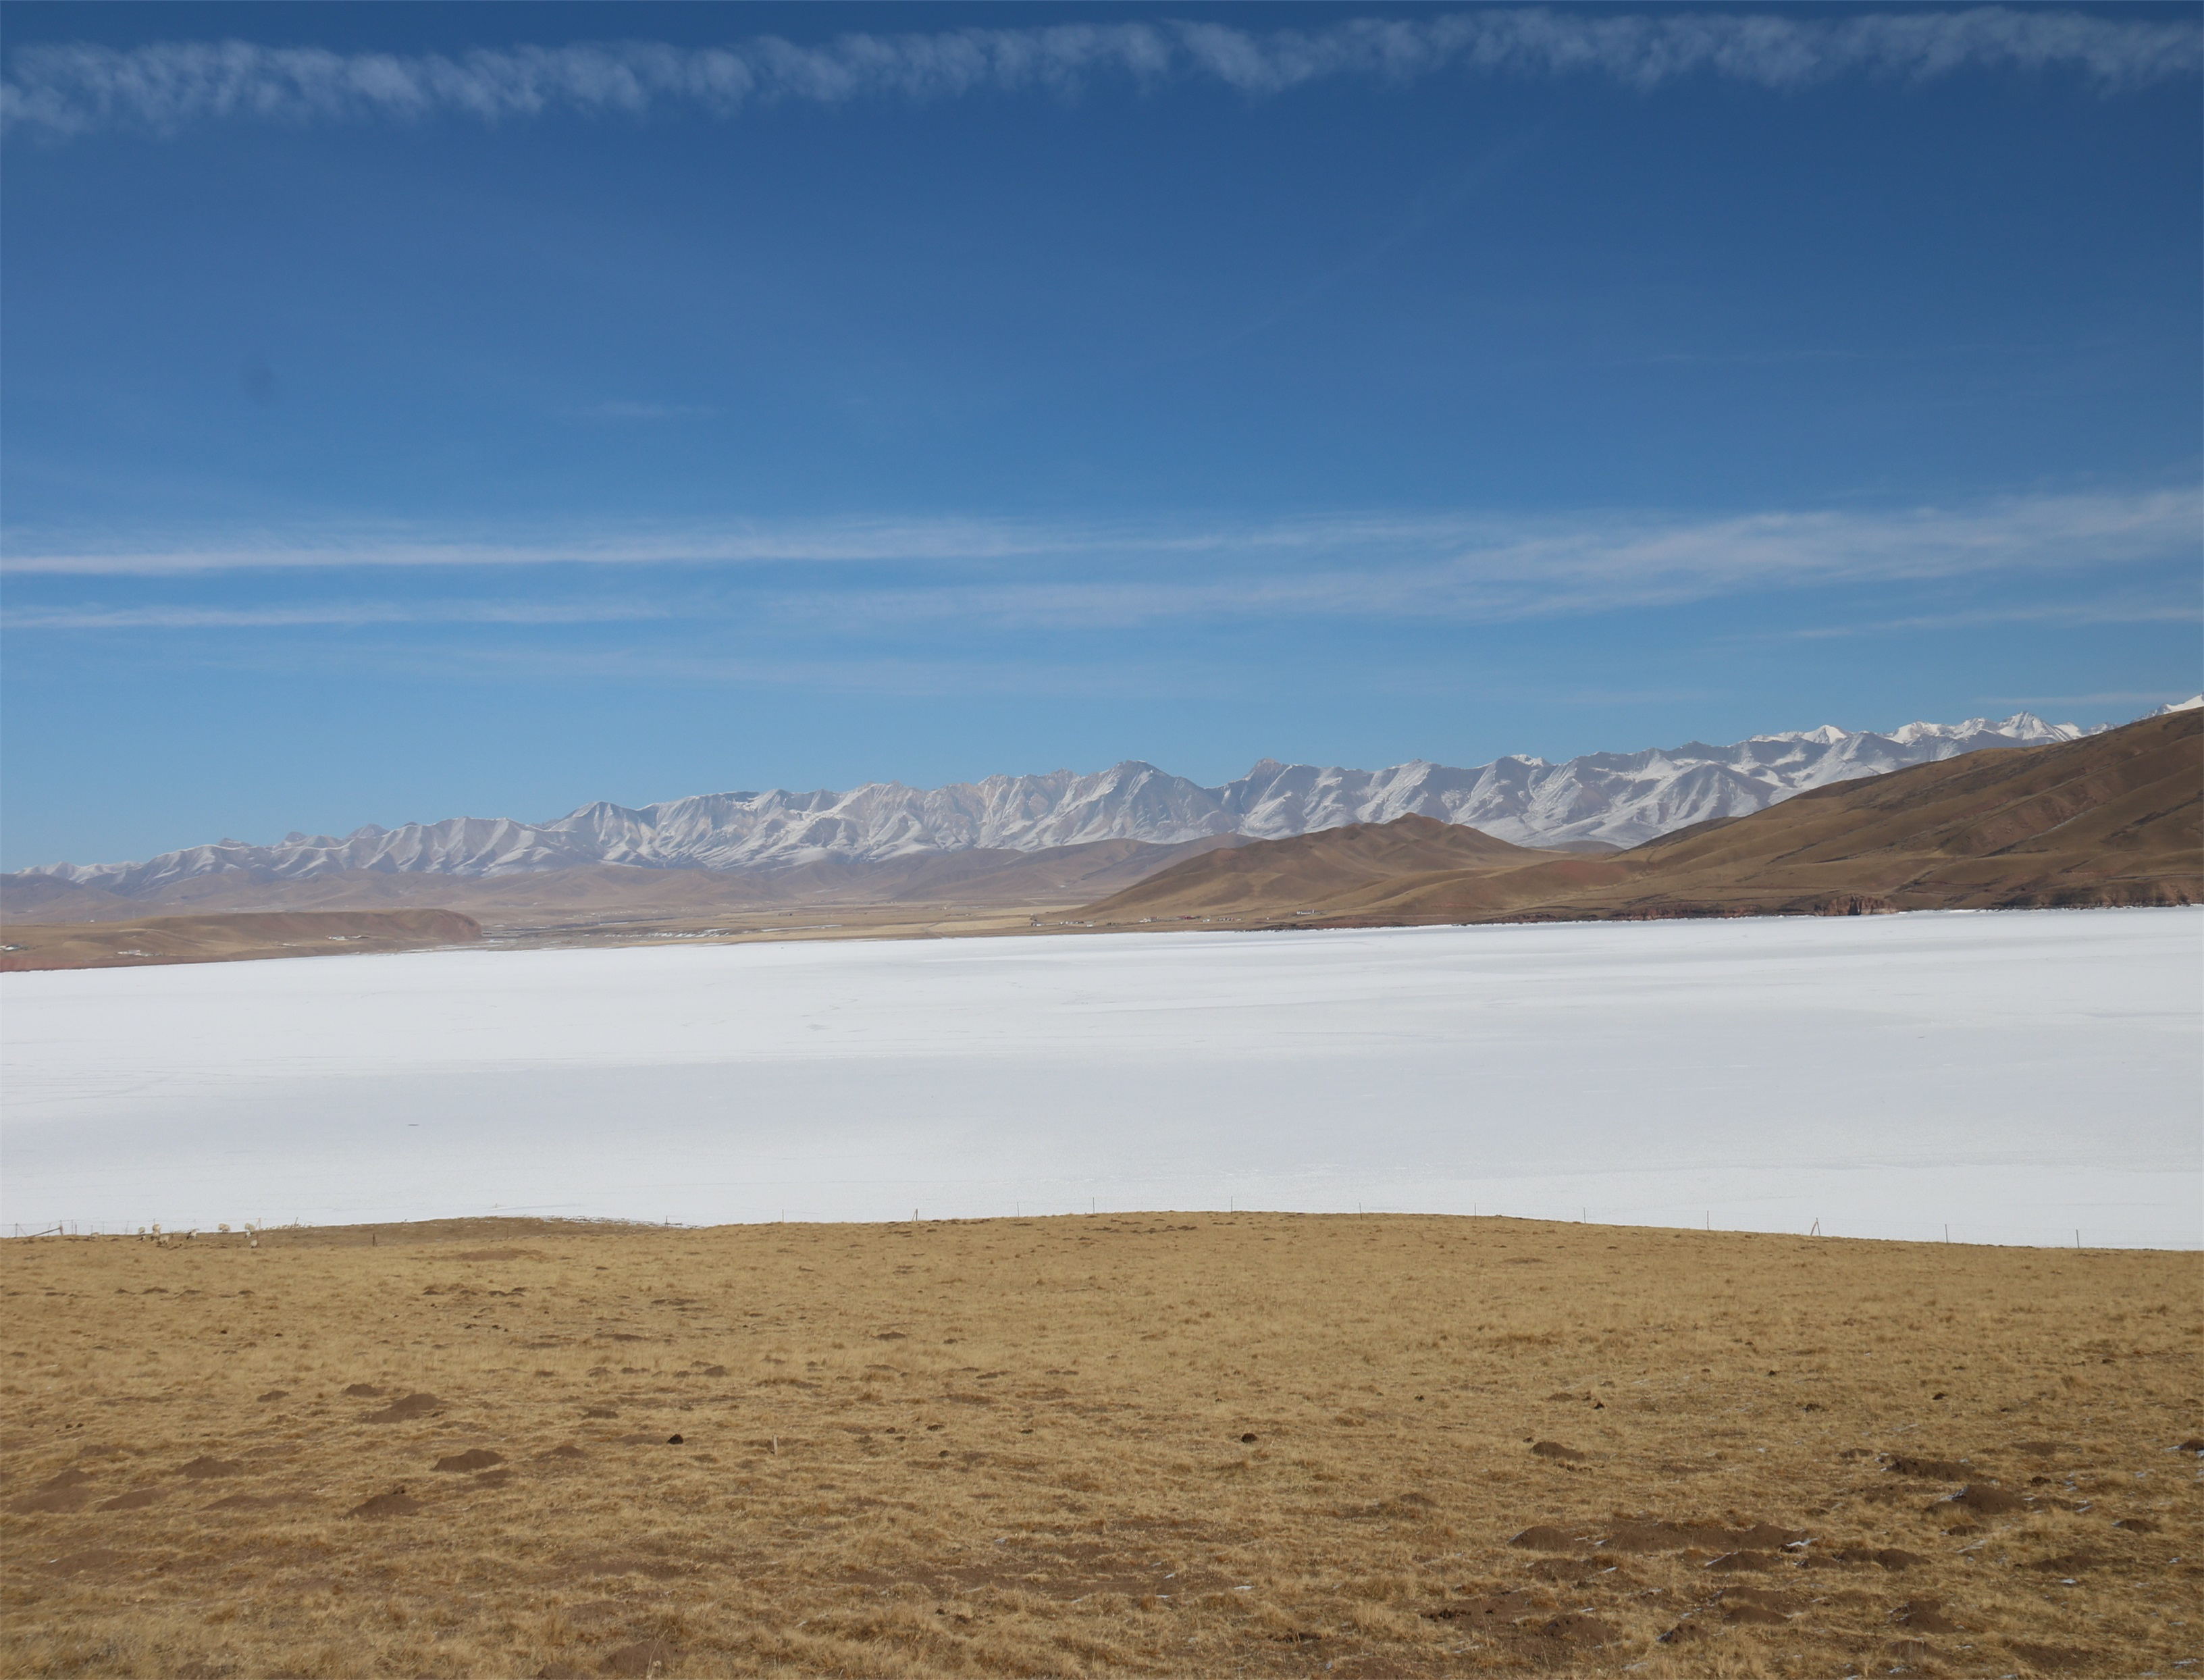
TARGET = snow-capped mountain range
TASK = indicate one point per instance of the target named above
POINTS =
(1619, 798)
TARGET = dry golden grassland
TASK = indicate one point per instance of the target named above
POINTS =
(815, 922)
(1156, 1444)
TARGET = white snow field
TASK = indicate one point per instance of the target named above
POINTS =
(2017, 1077)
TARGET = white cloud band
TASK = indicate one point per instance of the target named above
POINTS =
(335, 615)
(1071, 576)
(59, 90)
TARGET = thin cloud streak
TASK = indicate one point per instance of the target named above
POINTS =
(785, 543)
(1591, 569)
(63, 91)
(288, 618)
(1464, 568)
(2053, 613)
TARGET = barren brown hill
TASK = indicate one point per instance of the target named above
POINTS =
(44, 898)
(1059, 875)
(1268, 878)
(2114, 819)
(220, 938)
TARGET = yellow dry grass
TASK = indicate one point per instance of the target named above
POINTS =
(1159, 1444)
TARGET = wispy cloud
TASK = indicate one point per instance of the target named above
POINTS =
(358, 613)
(2095, 611)
(1464, 567)
(735, 543)
(63, 91)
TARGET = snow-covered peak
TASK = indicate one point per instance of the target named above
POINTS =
(2022, 726)
(1827, 736)
(1622, 798)
(2191, 704)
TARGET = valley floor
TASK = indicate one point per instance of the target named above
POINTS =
(2019, 1077)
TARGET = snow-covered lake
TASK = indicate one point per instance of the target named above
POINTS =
(2016, 1077)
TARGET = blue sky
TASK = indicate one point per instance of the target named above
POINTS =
(419, 410)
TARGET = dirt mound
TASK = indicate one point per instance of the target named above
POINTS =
(1883, 1556)
(644, 1657)
(474, 1459)
(2051, 1659)
(1929, 1469)
(1578, 1628)
(1987, 1501)
(1758, 1604)
(60, 1499)
(2066, 1564)
(1573, 1570)
(405, 1408)
(1752, 1615)
(1924, 1615)
(1490, 1608)
(1543, 1537)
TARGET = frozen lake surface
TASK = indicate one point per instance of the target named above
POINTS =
(2016, 1076)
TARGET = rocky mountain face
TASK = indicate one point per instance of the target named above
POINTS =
(1618, 799)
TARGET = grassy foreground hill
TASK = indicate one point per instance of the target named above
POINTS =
(1174, 1444)
(2113, 818)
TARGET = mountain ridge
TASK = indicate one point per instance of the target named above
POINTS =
(1595, 799)
(2115, 818)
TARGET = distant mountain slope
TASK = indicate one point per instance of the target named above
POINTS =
(1618, 798)
(1061, 875)
(1312, 867)
(2115, 818)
